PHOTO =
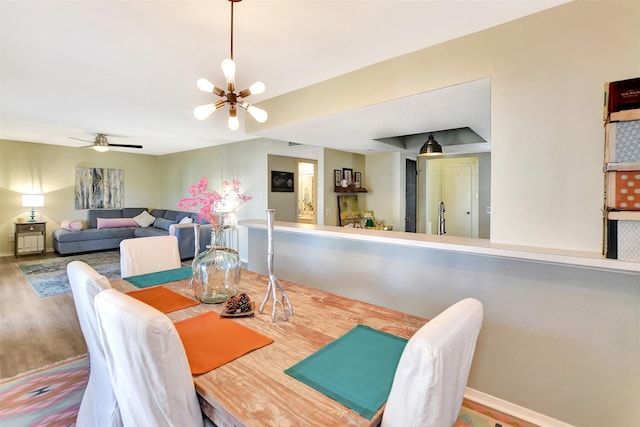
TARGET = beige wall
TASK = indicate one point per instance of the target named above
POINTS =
(50, 170)
(547, 73)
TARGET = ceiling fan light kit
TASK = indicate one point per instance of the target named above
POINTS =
(230, 96)
(101, 144)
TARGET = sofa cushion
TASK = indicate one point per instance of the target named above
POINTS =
(116, 222)
(158, 213)
(144, 219)
(94, 214)
(163, 223)
(186, 220)
(149, 232)
(71, 224)
(171, 215)
(65, 236)
(182, 215)
(131, 212)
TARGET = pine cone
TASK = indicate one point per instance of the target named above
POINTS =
(244, 303)
(233, 304)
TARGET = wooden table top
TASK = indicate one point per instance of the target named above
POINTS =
(253, 390)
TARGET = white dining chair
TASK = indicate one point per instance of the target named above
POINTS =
(147, 363)
(148, 255)
(98, 407)
(430, 380)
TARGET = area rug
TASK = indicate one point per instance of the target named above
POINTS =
(48, 396)
(48, 277)
(51, 396)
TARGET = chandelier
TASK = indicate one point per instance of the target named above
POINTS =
(230, 97)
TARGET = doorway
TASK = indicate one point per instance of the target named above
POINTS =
(307, 191)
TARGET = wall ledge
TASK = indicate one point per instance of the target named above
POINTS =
(483, 247)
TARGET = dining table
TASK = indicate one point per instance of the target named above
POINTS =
(254, 390)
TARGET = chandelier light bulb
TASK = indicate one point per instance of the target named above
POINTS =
(257, 88)
(229, 70)
(203, 111)
(233, 123)
(205, 85)
(259, 114)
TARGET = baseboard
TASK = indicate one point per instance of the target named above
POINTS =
(513, 409)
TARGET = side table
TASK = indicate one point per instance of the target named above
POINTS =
(30, 238)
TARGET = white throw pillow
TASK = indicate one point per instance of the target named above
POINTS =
(145, 219)
(186, 220)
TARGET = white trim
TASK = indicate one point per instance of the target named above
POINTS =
(513, 409)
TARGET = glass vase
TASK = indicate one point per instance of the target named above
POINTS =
(216, 271)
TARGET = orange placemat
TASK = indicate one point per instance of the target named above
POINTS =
(163, 299)
(210, 341)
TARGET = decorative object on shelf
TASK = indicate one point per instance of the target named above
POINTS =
(369, 218)
(32, 201)
(347, 174)
(337, 174)
(274, 284)
(431, 148)
(358, 180)
(216, 271)
(230, 97)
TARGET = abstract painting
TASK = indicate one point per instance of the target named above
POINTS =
(99, 188)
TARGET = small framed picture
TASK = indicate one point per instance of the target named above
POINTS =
(347, 173)
(337, 173)
(358, 179)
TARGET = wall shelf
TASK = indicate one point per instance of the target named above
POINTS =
(349, 189)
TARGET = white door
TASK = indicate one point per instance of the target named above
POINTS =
(458, 200)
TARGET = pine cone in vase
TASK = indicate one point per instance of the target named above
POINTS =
(244, 302)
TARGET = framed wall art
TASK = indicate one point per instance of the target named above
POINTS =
(347, 209)
(347, 173)
(282, 182)
(337, 177)
(98, 188)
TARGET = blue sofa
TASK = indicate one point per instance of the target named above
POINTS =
(92, 238)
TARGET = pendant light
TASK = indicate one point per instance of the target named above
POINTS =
(431, 148)
(230, 97)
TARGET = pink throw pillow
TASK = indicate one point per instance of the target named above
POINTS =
(71, 224)
(116, 222)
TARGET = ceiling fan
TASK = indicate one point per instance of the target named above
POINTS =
(101, 144)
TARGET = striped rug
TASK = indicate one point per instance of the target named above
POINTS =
(50, 396)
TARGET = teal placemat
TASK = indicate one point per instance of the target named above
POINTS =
(159, 277)
(357, 369)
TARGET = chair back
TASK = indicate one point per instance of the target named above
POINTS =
(147, 363)
(143, 255)
(98, 406)
(430, 380)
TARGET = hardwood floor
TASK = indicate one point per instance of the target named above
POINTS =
(34, 331)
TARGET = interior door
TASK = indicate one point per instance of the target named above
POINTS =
(457, 197)
(411, 184)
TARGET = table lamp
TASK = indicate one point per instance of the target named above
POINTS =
(33, 201)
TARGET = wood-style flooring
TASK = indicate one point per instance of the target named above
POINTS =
(34, 331)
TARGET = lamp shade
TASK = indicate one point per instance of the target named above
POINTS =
(431, 147)
(32, 200)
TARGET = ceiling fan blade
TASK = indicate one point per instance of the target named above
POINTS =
(125, 145)
(70, 137)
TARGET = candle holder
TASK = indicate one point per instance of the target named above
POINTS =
(274, 284)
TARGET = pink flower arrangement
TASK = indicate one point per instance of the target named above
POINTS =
(213, 204)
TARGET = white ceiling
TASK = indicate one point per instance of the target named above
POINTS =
(128, 68)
